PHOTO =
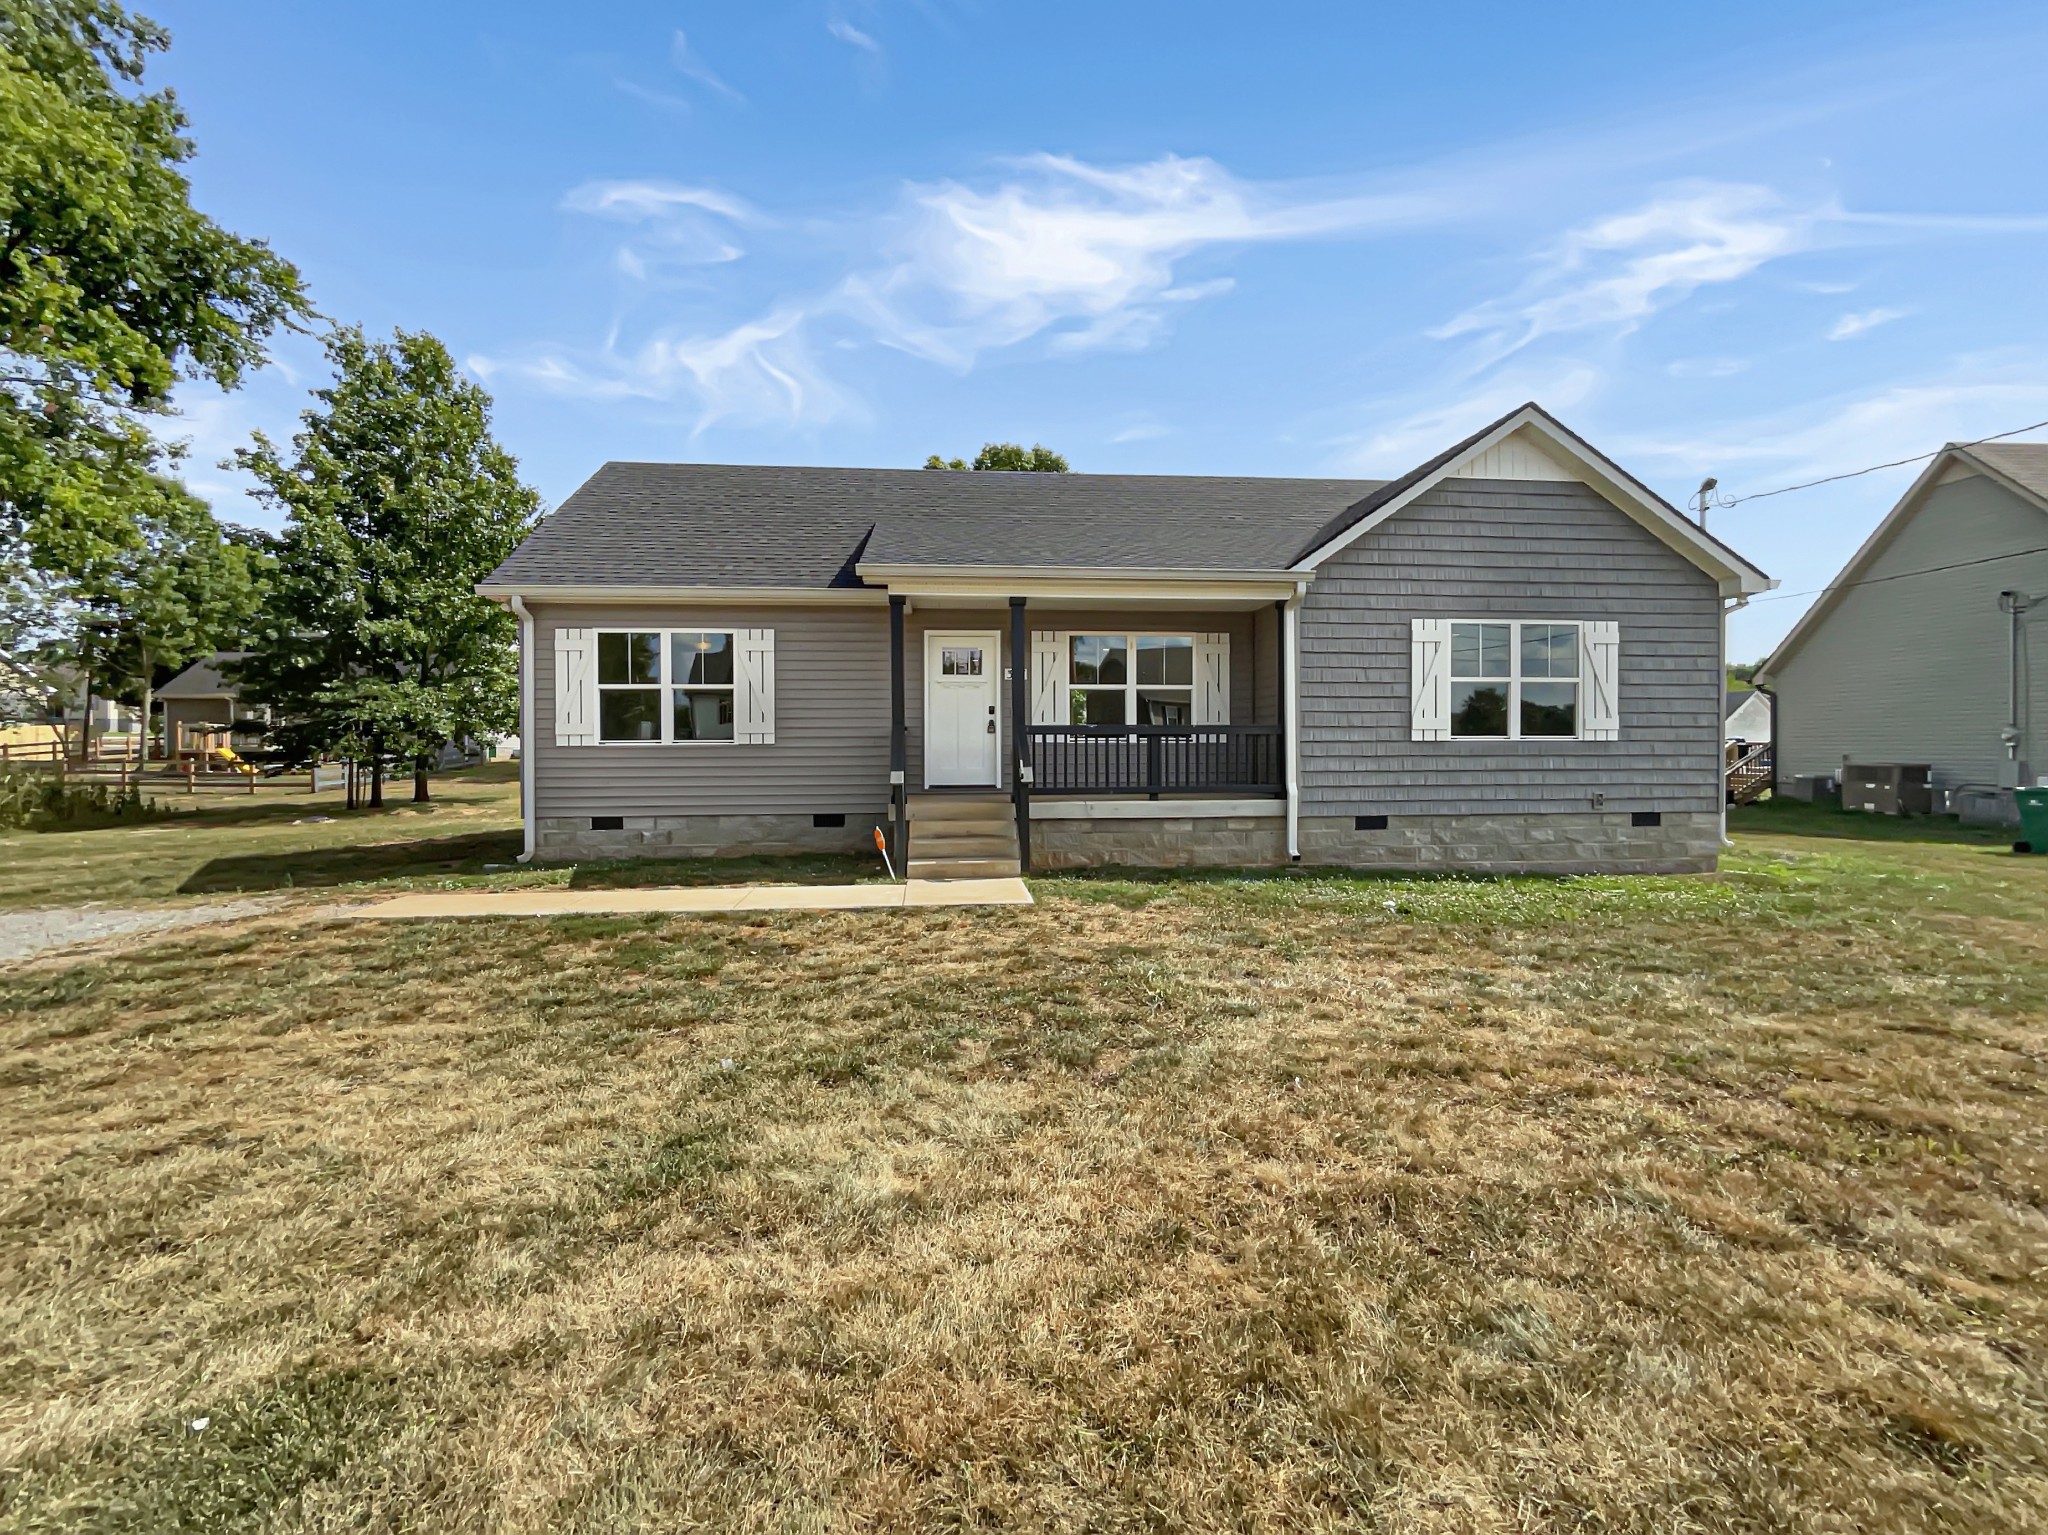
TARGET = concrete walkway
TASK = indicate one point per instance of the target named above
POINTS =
(682, 898)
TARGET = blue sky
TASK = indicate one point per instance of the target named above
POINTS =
(1767, 242)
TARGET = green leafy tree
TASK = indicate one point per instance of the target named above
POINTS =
(1036, 459)
(398, 501)
(185, 588)
(112, 286)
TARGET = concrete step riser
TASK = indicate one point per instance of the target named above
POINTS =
(963, 868)
(962, 811)
(963, 847)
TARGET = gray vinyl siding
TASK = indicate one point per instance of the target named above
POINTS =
(1245, 658)
(1914, 669)
(831, 748)
(1508, 549)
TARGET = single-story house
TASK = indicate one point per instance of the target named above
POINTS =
(202, 698)
(1747, 718)
(1510, 658)
(1931, 647)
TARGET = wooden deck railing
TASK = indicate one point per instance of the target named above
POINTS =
(1156, 759)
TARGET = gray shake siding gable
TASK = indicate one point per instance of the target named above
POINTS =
(1508, 549)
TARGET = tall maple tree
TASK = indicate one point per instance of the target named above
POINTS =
(398, 501)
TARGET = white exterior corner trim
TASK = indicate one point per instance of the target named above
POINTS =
(1290, 650)
(1539, 435)
(527, 734)
(1941, 469)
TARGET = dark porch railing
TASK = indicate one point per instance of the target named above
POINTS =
(1155, 759)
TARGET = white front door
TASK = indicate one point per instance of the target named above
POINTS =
(962, 736)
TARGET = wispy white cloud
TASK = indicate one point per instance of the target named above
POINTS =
(1144, 429)
(690, 64)
(1616, 271)
(1087, 252)
(1410, 435)
(761, 370)
(646, 199)
(1707, 367)
(1085, 258)
(852, 35)
(1971, 397)
(1856, 324)
(675, 224)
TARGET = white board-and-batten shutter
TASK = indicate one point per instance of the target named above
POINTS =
(1429, 679)
(575, 687)
(754, 679)
(1599, 665)
(1048, 679)
(1212, 679)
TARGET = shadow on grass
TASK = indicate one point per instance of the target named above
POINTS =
(317, 868)
(1795, 818)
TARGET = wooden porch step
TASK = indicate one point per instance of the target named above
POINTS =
(964, 868)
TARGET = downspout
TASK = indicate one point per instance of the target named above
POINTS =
(1721, 719)
(1290, 714)
(528, 735)
(2013, 735)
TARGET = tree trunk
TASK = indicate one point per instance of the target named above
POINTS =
(349, 776)
(85, 724)
(376, 778)
(148, 708)
(420, 794)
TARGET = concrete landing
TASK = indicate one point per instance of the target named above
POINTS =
(704, 898)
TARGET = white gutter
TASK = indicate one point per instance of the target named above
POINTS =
(1290, 648)
(528, 737)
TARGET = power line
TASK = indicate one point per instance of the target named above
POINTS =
(1874, 468)
(1901, 575)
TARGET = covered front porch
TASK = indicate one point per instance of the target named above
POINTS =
(1149, 716)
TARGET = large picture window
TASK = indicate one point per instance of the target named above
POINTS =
(1130, 679)
(1515, 681)
(664, 685)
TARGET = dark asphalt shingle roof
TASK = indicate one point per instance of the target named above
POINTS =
(744, 525)
(202, 679)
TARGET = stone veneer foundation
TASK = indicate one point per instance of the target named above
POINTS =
(1597, 842)
(700, 836)
(1600, 842)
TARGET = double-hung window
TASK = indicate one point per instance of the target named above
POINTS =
(1130, 679)
(1514, 681)
(664, 685)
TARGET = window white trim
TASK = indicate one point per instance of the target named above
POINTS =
(1130, 686)
(1453, 677)
(667, 687)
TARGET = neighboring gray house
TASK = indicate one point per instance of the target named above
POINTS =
(202, 698)
(1931, 646)
(1509, 658)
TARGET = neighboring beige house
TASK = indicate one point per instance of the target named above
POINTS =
(1748, 718)
(201, 698)
(1931, 646)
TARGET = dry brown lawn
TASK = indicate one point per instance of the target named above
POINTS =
(1263, 1204)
